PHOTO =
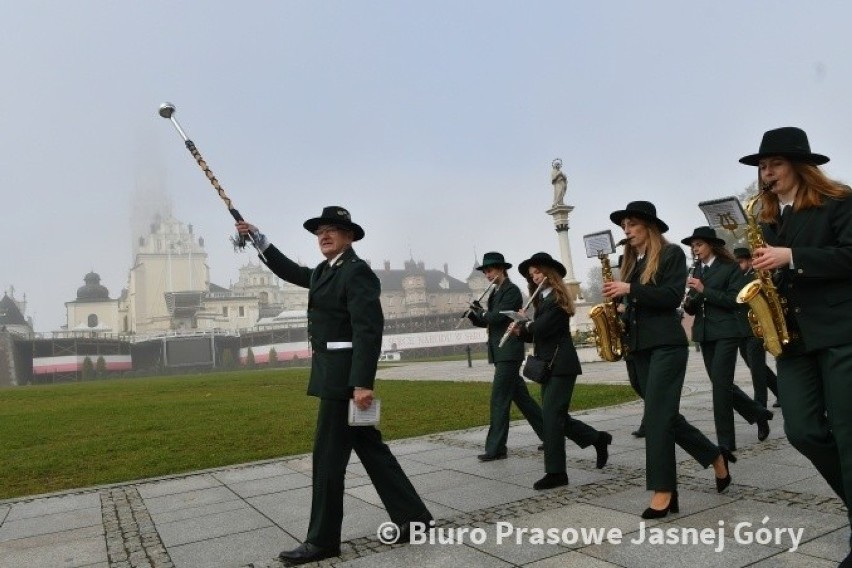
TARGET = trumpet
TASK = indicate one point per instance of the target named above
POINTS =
(695, 262)
(470, 309)
(527, 305)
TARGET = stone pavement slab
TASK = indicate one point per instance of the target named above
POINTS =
(242, 516)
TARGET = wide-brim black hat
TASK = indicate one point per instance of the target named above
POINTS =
(493, 259)
(542, 259)
(641, 210)
(706, 234)
(742, 252)
(788, 142)
(335, 215)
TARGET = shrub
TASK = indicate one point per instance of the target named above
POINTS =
(88, 370)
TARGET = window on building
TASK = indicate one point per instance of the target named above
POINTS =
(92, 320)
(225, 311)
(242, 312)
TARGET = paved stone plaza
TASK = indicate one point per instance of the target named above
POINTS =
(242, 516)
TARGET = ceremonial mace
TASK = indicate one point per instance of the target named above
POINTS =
(167, 110)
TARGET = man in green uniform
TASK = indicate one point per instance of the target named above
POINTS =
(345, 324)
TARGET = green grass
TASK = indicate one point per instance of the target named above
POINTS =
(76, 435)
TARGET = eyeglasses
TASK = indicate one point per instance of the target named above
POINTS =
(327, 231)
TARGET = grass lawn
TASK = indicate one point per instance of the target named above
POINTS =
(68, 436)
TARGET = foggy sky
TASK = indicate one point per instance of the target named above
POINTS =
(435, 122)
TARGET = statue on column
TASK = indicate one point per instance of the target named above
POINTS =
(559, 181)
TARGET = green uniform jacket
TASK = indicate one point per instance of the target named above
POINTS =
(343, 308)
(650, 312)
(550, 329)
(819, 287)
(716, 308)
(505, 298)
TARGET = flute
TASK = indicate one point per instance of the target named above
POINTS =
(470, 309)
(527, 305)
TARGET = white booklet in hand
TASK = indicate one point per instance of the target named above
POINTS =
(515, 316)
(368, 417)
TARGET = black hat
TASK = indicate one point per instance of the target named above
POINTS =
(640, 209)
(789, 142)
(541, 259)
(335, 215)
(706, 234)
(493, 259)
(742, 252)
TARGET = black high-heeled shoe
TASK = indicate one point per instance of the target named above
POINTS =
(727, 456)
(673, 506)
(604, 440)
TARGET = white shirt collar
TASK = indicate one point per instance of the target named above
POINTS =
(546, 291)
(335, 259)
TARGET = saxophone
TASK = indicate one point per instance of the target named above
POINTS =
(766, 305)
(608, 325)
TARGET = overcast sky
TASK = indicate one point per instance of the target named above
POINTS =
(434, 122)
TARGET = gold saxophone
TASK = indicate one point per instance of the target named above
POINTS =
(767, 306)
(608, 325)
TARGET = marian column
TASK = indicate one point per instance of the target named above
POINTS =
(560, 213)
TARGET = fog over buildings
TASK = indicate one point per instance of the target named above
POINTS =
(434, 123)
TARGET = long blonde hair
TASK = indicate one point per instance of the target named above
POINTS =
(814, 188)
(562, 294)
(656, 242)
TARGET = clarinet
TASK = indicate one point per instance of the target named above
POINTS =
(695, 262)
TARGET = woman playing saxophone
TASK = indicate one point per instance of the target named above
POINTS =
(806, 219)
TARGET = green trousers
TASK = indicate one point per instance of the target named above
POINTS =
(509, 387)
(720, 360)
(816, 394)
(333, 444)
(660, 372)
(762, 377)
(558, 424)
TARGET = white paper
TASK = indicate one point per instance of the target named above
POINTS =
(368, 417)
(515, 316)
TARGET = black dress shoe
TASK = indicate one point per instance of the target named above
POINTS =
(307, 552)
(604, 440)
(727, 456)
(762, 429)
(639, 432)
(551, 480)
(405, 528)
(491, 457)
(673, 506)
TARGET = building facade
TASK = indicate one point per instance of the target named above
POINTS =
(169, 289)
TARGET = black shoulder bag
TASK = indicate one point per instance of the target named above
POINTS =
(537, 369)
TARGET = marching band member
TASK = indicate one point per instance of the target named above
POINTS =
(345, 321)
(806, 219)
(550, 333)
(653, 275)
(508, 386)
(712, 299)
